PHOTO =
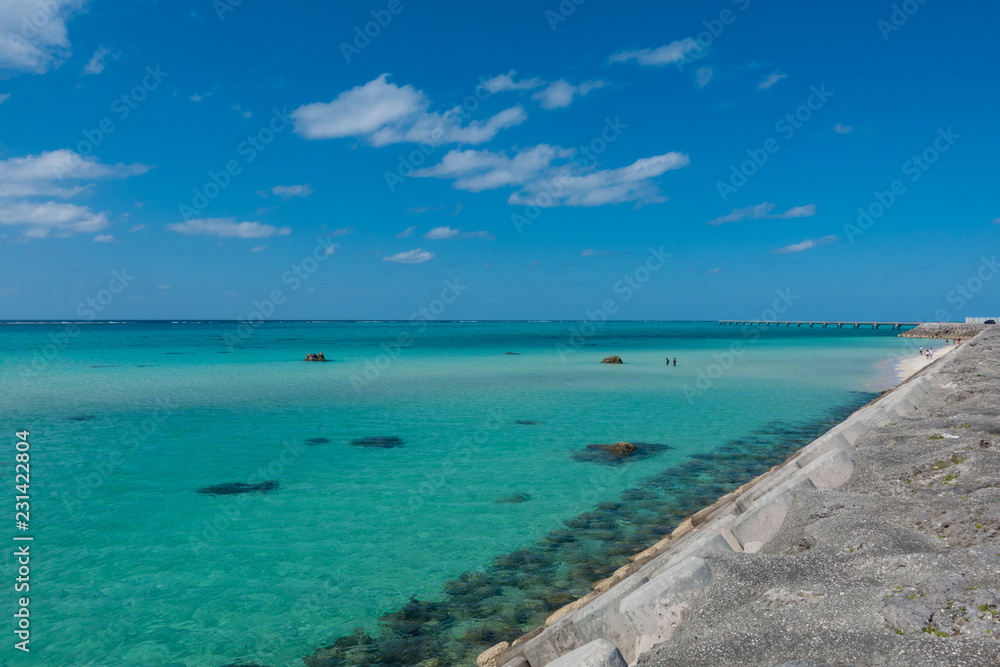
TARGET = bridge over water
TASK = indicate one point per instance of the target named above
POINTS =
(839, 325)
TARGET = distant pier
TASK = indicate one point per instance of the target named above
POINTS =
(839, 325)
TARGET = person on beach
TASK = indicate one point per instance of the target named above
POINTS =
(931, 355)
(668, 362)
(675, 361)
(921, 350)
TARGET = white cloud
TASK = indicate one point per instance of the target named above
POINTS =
(137, 228)
(406, 232)
(383, 113)
(104, 238)
(704, 75)
(770, 81)
(33, 35)
(544, 183)
(475, 171)
(441, 233)
(506, 81)
(45, 174)
(711, 271)
(590, 252)
(287, 192)
(416, 256)
(258, 248)
(4, 97)
(559, 94)
(663, 55)
(808, 244)
(343, 231)
(164, 287)
(763, 211)
(57, 219)
(225, 228)
(417, 210)
(843, 129)
(97, 61)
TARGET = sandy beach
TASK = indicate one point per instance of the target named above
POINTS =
(907, 367)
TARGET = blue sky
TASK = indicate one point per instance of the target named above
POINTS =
(534, 152)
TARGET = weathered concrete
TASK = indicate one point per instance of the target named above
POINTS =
(898, 566)
(951, 330)
(597, 653)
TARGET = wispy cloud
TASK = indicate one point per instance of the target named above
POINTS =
(590, 252)
(704, 75)
(225, 228)
(504, 82)
(771, 80)
(441, 233)
(4, 97)
(761, 211)
(47, 174)
(709, 272)
(343, 231)
(843, 129)
(664, 55)
(808, 244)
(287, 192)
(406, 232)
(104, 238)
(382, 113)
(258, 248)
(416, 256)
(560, 94)
(98, 60)
(545, 176)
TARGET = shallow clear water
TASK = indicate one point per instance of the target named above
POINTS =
(127, 421)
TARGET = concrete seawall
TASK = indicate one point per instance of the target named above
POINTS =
(655, 610)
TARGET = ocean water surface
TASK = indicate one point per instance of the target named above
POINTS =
(469, 516)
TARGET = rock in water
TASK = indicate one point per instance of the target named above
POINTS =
(527, 422)
(315, 357)
(513, 499)
(239, 487)
(621, 448)
(317, 441)
(619, 452)
(380, 441)
(81, 418)
(613, 359)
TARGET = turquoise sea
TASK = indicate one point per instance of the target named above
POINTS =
(474, 528)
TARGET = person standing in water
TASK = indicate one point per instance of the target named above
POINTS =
(675, 361)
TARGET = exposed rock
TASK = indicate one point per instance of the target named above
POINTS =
(613, 359)
(81, 418)
(233, 488)
(488, 658)
(948, 330)
(315, 357)
(378, 441)
(527, 422)
(317, 441)
(619, 452)
(514, 353)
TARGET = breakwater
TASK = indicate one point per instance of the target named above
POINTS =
(875, 544)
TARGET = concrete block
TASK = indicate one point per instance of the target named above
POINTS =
(766, 486)
(823, 445)
(519, 661)
(763, 520)
(601, 618)
(656, 610)
(830, 471)
(557, 640)
(599, 653)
